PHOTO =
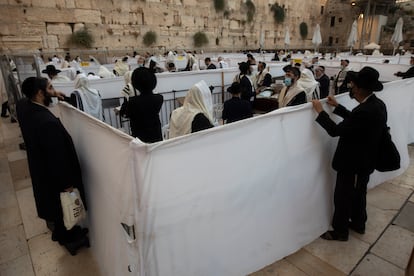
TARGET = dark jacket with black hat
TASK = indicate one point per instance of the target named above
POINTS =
(236, 109)
(360, 135)
(361, 130)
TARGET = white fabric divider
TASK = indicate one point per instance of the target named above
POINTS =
(105, 160)
(225, 201)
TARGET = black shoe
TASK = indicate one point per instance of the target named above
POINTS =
(73, 247)
(4, 115)
(359, 230)
(334, 236)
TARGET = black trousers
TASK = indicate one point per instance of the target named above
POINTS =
(4, 108)
(350, 201)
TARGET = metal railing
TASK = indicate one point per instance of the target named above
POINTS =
(171, 102)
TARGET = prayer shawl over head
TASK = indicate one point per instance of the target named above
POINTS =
(198, 100)
(91, 100)
(308, 84)
(105, 73)
(128, 90)
(121, 67)
(60, 79)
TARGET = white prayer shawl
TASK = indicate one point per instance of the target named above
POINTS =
(105, 73)
(91, 100)
(121, 67)
(260, 77)
(128, 90)
(341, 75)
(198, 100)
(60, 78)
(308, 84)
(286, 95)
(223, 64)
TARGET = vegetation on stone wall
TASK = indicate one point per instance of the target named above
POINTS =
(149, 38)
(81, 38)
(219, 5)
(303, 29)
(278, 13)
(251, 10)
(200, 39)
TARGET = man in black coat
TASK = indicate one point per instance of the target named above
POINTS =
(323, 80)
(409, 73)
(236, 109)
(357, 151)
(53, 163)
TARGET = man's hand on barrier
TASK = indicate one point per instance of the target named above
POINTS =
(332, 101)
(317, 106)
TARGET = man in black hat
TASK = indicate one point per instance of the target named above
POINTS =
(409, 73)
(53, 74)
(357, 151)
(246, 86)
(236, 109)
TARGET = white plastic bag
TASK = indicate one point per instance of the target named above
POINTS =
(73, 209)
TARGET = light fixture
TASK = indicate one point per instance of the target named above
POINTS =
(353, 3)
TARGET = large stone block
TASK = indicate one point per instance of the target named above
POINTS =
(78, 26)
(44, 4)
(50, 42)
(82, 4)
(187, 21)
(87, 16)
(50, 15)
(58, 29)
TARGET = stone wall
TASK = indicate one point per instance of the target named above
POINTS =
(29, 25)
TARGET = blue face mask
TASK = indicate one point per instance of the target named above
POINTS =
(288, 81)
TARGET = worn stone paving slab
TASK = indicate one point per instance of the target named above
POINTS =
(13, 244)
(49, 258)
(6, 183)
(378, 220)
(22, 184)
(397, 188)
(33, 225)
(19, 169)
(312, 265)
(384, 199)
(16, 155)
(9, 210)
(342, 255)
(395, 246)
(406, 217)
(281, 267)
(373, 265)
(21, 266)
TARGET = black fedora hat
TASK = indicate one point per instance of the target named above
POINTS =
(51, 69)
(366, 78)
(234, 88)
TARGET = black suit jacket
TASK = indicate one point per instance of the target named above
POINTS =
(324, 86)
(359, 135)
(52, 158)
(408, 74)
(143, 111)
(236, 109)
